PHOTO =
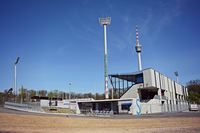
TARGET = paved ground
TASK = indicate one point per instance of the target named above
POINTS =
(158, 115)
(162, 115)
(22, 122)
(11, 111)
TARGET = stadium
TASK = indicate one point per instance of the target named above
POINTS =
(141, 92)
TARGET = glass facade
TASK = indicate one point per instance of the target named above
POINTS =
(139, 79)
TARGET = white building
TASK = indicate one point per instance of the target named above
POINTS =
(157, 92)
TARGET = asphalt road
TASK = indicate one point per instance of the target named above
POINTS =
(161, 115)
(158, 115)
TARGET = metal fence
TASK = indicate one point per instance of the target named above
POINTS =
(102, 113)
(24, 107)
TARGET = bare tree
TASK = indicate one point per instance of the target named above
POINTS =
(42, 93)
(194, 91)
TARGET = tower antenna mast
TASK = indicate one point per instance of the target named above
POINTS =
(138, 49)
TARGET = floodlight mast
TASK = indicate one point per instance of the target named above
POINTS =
(70, 83)
(105, 21)
(15, 76)
(176, 74)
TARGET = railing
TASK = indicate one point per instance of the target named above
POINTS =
(24, 107)
(156, 97)
(97, 112)
(163, 98)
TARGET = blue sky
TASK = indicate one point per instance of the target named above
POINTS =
(61, 41)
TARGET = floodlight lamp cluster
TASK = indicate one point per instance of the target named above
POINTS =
(176, 73)
(105, 21)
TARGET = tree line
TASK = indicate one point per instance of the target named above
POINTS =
(25, 95)
(194, 91)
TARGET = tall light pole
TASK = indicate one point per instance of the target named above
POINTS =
(105, 21)
(70, 83)
(176, 74)
(15, 76)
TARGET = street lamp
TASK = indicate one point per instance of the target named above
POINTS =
(15, 76)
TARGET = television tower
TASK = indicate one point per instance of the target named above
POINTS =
(138, 49)
(105, 21)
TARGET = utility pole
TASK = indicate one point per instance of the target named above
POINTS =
(105, 21)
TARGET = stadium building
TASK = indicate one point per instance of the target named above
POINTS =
(157, 93)
(146, 91)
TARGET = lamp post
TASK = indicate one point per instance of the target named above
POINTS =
(176, 74)
(105, 21)
(70, 83)
(15, 76)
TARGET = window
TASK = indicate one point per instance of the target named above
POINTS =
(139, 78)
(126, 106)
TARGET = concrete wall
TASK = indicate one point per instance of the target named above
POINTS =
(64, 104)
(44, 103)
(157, 79)
(149, 78)
(178, 89)
(132, 92)
(60, 104)
(147, 108)
(174, 93)
(150, 108)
